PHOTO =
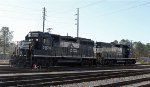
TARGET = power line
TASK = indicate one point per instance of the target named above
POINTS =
(18, 12)
(3, 16)
(68, 10)
(17, 6)
(94, 3)
(122, 5)
(91, 4)
(17, 9)
(124, 9)
(73, 9)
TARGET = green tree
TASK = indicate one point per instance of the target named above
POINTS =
(125, 41)
(6, 37)
(139, 49)
(115, 41)
(148, 49)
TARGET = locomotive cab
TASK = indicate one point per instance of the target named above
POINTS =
(125, 50)
(36, 39)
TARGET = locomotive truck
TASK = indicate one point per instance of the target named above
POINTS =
(46, 49)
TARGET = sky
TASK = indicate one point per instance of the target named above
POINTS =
(99, 20)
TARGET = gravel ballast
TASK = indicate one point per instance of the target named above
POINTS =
(108, 81)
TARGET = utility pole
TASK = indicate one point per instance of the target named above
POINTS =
(44, 18)
(77, 22)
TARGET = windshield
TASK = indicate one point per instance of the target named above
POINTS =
(33, 35)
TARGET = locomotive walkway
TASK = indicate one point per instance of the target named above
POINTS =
(104, 78)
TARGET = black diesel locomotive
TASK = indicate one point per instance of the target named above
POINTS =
(47, 49)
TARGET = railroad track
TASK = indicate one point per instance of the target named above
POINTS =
(54, 79)
(8, 69)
